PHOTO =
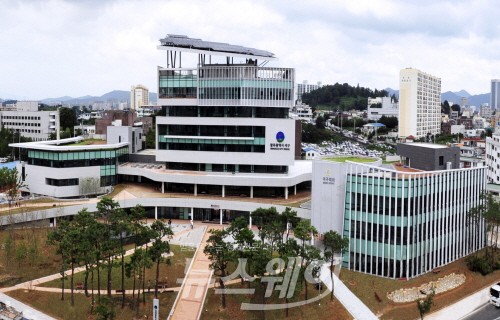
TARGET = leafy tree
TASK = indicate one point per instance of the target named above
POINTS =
(220, 254)
(159, 247)
(151, 138)
(390, 122)
(334, 243)
(140, 260)
(455, 107)
(304, 231)
(424, 305)
(445, 107)
(68, 119)
(243, 240)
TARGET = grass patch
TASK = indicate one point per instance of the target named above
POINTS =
(169, 273)
(365, 286)
(87, 142)
(322, 309)
(51, 304)
(41, 261)
(350, 158)
(15, 210)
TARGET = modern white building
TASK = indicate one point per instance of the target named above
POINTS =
(419, 103)
(139, 96)
(302, 112)
(495, 94)
(493, 158)
(26, 119)
(225, 126)
(382, 106)
(400, 223)
(306, 87)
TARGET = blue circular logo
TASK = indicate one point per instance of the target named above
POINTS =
(280, 136)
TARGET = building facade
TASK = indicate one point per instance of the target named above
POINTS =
(305, 87)
(400, 224)
(231, 119)
(382, 106)
(60, 169)
(493, 158)
(139, 96)
(495, 94)
(419, 103)
(25, 118)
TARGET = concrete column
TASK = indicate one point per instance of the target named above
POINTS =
(251, 191)
(139, 178)
(223, 191)
(156, 213)
(192, 214)
(162, 187)
(286, 192)
(312, 239)
(250, 220)
(195, 189)
(220, 214)
(55, 222)
(295, 190)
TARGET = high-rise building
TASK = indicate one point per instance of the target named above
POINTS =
(226, 120)
(139, 96)
(495, 94)
(305, 87)
(419, 103)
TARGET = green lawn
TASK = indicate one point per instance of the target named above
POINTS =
(321, 309)
(51, 304)
(15, 268)
(172, 272)
(365, 286)
(350, 158)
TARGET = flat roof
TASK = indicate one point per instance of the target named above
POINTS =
(426, 145)
(63, 145)
(184, 43)
(348, 158)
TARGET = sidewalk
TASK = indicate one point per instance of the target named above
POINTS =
(191, 297)
(464, 307)
(352, 303)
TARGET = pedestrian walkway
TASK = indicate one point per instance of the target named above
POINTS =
(190, 300)
(352, 303)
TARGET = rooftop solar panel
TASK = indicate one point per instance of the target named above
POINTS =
(182, 41)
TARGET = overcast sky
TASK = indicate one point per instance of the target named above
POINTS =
(75, 48)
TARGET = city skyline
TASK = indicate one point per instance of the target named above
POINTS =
(61, 48)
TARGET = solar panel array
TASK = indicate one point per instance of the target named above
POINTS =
(181, 41)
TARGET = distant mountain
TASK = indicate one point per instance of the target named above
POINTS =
(112, 96)
(392, 91)
(455, 97)
(463, 93)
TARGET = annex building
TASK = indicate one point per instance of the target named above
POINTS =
(401, 222)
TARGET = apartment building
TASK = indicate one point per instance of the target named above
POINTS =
(419, 104)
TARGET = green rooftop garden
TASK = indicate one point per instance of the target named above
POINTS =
(350, 158)
(88, 142)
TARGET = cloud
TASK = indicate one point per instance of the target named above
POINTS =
(55, 48)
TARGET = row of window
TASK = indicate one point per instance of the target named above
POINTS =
(212, 131)
(81, 155)
(212, 147)
(246, 93)
(24, 124)
(227, 112)
(61, 182)
(21, 117)
(72, 163)
(209, 167)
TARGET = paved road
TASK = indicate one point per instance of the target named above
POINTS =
(486, 312)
